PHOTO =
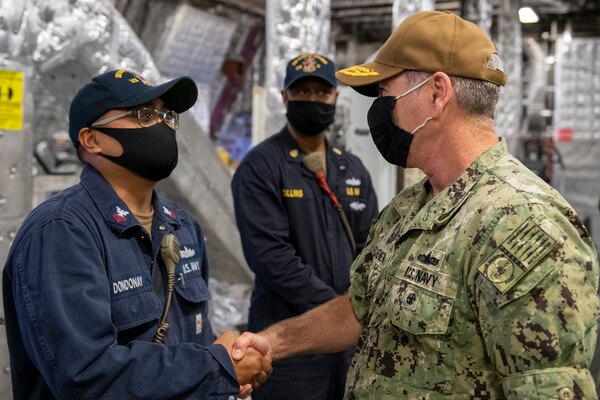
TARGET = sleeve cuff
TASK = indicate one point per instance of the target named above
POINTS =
(552, 383)
(221, 355)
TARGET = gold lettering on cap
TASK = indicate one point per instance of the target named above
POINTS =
(359, 71)
(119, 73)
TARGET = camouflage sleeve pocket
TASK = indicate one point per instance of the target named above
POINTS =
(552, 383)
(515, 266)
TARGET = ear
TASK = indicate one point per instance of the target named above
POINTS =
(88, 139)
(441, 94)
(284, 96)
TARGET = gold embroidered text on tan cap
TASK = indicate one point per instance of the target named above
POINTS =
(428, 41)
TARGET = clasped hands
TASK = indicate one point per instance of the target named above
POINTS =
(251, 356)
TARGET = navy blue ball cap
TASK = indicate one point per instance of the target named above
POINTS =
(310, 65)
(125, 89)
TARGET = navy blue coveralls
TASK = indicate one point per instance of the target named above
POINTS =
(294, 242)
(81, 310)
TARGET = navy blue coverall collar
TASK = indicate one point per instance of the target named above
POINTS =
(114, 210)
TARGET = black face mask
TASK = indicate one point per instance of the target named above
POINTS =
(310, 117)
(150, 152)
(392, 141)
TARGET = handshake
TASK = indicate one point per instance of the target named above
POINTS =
(328, 328)
(251, 356)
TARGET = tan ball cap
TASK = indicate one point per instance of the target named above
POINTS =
(428, 41)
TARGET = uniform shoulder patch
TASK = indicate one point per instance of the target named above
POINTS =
(522, 250)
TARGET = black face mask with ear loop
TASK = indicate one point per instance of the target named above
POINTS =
(310, 117)
(392, 141)
(150, 152)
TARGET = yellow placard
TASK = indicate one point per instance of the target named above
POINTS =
(11, 100)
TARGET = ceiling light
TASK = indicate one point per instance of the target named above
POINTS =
(528, 16)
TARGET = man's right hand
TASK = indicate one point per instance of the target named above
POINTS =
(253, 368)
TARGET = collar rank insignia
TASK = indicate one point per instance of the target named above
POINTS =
(169, 212)
(120, 215)
(294, 153)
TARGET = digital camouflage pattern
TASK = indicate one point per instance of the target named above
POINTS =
(486, 291)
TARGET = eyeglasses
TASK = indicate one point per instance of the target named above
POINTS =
(146, 116)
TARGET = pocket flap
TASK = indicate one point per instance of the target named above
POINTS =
(136, 309)
(193, 288)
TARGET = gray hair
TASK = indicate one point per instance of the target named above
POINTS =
(474, 97)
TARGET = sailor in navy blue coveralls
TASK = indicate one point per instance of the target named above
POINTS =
(296, 245)
(80, 271)
(85, 285)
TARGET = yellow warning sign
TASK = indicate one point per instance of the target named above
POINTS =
(11, 100)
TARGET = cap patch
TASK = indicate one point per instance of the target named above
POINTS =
(308, 62)
(310, 65)
(134, 79)
(357, 70)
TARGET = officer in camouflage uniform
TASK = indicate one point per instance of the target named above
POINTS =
(486, 291)
(480, 281)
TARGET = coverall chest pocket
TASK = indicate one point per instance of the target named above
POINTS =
(133, 302)
(193, 300)
(193, 289)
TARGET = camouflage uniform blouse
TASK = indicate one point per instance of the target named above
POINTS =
(487, 291)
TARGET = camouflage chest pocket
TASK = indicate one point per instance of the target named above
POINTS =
(418, 309)
(420, 300)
